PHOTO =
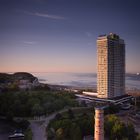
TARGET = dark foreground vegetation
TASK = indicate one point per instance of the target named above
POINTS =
(116, 129)
(34, 103)
(71, 126)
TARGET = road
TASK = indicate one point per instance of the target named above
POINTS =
(37, 130)
(39, 126)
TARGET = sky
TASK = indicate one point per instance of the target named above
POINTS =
(60, 35)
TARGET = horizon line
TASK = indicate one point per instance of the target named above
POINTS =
(60, 72)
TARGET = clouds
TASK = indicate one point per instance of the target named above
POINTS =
(48, 16)
(28, 43)
(89, 34)
(45, 15)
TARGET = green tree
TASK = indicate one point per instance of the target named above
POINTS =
(60, 134)
(115, 129)
(109, 123)
(37, 110)
(75, 133)
(138, 137)
(70, 114)
(118, 131)
(131, 134)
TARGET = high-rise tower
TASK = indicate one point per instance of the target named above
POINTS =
(111, 66)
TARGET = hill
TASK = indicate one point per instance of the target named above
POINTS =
(6, 78)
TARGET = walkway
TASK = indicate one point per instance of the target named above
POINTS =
(39, 126)
(37, 130)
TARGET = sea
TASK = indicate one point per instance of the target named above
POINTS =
(82, 80)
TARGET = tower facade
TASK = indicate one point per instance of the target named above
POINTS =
(99, 124)
(111, 66)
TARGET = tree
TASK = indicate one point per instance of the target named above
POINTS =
(115, 129)
(70, 114)
(118, 131)
(109, 123)
(37, 110)
(131, 134)
(75, 133)
(85, 124)
(50, 135)
(138, 137)
(60, 134)
(9, 116)
(83, 103)
(58, 116)
(23, 124)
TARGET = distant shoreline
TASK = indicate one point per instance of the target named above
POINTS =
(81, 80)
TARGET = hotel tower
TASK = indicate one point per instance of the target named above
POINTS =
(111, 66)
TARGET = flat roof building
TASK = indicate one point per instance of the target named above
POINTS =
(111, 66)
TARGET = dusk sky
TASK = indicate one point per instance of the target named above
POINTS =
(60, 35)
